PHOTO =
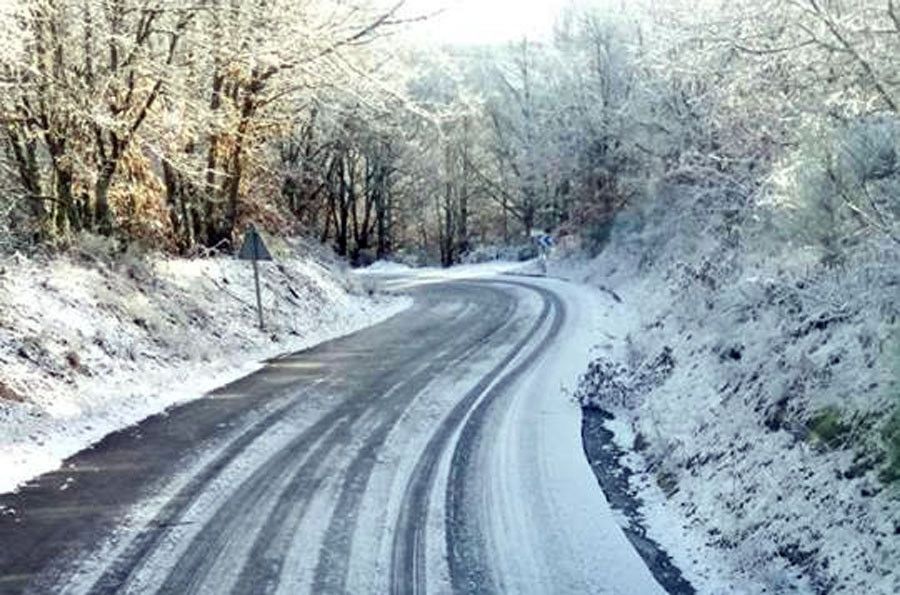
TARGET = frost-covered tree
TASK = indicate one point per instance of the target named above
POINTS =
(156, 118)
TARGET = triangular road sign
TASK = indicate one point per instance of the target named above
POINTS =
(254, 248)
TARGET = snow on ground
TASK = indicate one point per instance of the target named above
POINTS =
(89, 346)
(439, 274)
(563, 534)
(572, 539)
(385, 267)
(750, 398)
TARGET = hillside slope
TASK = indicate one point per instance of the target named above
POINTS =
(754, 398)
(90, 344)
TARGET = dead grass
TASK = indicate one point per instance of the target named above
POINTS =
(8, 394)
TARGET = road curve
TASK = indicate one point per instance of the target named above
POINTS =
(435, 452)
(408, 569)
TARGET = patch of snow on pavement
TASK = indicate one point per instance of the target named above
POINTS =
(572, 539)
(439, 274)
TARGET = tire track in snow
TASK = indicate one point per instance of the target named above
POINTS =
(333, 564)
(263, 565)
(408, 572)
(236, 517)
(195, 566)
(468, 556)
(126, 564)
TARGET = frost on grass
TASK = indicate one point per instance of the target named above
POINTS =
(759, 395)
(91, 343)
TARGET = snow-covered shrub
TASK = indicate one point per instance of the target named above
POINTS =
(772, 434)
(841, 185)
(6, 210)
(608, 384)
(890, 429)
(596, 236)
(17, 231)
(891, 437)
(94, 248)
(827, 426)
(605, 384)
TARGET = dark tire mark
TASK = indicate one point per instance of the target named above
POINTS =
(467, 551)
(332, 566)
(129, 561)
(408, 555)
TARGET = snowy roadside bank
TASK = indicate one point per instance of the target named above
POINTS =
(752, 403)
(614, 477)
(89, 346)
(681, 560)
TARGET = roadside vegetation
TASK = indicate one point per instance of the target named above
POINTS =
(178, 125)
(765, 260)
(733, 168)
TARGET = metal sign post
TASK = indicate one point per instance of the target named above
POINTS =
(255, 249)
(262, 323)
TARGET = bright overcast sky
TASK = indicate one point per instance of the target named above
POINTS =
(485, 21)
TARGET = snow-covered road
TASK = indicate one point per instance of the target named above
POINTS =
(435, 452)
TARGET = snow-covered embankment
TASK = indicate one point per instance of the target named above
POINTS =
(753, 396)
(90, 345)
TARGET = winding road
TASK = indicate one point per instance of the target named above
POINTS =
(436, 452)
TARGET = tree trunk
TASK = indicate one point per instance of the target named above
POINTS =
(343, 212)
(381, 221)
(102, 216)
(448, 238)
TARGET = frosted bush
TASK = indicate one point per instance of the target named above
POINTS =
(607, 384)
(841, 185)
(773, 430)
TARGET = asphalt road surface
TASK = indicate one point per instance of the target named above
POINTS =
(436, 452)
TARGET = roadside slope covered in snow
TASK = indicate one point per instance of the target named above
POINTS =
(754, 395)
(90, 343)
